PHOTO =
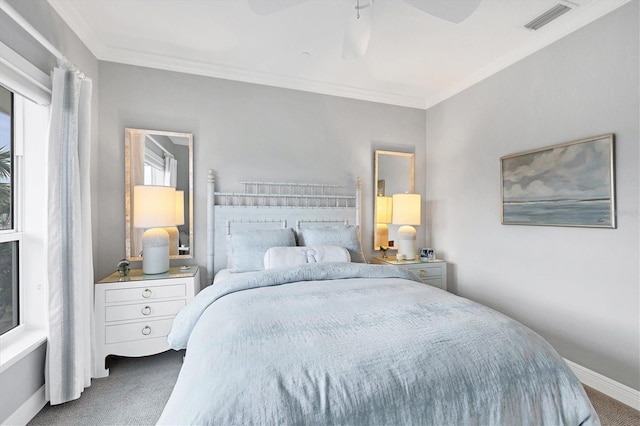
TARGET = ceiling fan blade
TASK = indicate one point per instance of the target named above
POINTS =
(452, 11)
(357, 30)
(267, 7)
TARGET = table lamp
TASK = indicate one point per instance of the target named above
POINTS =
(384, 207)
(153, 209)
(406, 212)
(174, 235)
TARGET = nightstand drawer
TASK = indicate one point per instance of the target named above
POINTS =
(425, 272)
(137, 331)
(433, 273)
(144, 293)
(143, 310)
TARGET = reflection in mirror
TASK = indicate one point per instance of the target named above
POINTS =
(394, 174)
(154, 157)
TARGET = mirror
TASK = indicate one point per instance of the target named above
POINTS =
(394, 174)
(154, 157)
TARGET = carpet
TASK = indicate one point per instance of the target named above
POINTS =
(612, 412)
(134, 394)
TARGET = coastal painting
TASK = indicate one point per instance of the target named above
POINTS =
(571, 184)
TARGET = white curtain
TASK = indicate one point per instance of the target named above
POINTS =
(170, 171)
(70, 264)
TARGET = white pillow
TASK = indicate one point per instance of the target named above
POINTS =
(278, 257)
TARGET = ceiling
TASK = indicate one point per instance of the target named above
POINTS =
(414, 59)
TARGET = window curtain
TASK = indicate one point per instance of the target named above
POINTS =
(170, 171)
(70, 265)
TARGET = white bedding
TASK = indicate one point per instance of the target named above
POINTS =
(355, 344)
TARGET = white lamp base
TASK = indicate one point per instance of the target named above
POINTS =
(406, 243)
(155, 251)
(173, 240)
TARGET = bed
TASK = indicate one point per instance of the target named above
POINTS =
(310, 338)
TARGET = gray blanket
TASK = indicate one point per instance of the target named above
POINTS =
(366, 345)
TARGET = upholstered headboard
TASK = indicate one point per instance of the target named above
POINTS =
(269, 205)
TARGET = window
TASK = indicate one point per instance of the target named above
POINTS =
(10, 235)
(24, 123)
(153, 166)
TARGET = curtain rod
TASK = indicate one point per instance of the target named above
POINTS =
(13, 14)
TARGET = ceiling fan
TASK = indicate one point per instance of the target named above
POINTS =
(358, 28)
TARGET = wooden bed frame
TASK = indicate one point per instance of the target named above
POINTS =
(268, 205)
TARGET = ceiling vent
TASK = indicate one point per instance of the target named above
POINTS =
(548, 16)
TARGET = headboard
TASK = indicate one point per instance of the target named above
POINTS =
(269, 205)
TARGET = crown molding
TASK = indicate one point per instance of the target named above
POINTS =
(102, 52)
(79, 26)
(589, 12)
(208, 69)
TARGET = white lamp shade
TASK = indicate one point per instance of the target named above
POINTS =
(154, 206)
(406, 209)
(384, 207)
(179, 208)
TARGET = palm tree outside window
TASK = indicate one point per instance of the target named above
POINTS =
(9, 239)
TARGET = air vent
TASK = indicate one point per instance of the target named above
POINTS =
(548, 16)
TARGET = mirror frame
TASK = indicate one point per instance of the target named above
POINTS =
(128, 190)
(378, 153)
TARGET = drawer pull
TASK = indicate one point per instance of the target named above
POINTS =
(146, 293)
(146, 310)
(146, 330)
(423, 273)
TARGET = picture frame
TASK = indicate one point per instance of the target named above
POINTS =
(570, 184)
(427, 254)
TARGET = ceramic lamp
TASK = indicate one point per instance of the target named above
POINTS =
(406, 212)
(153, 209)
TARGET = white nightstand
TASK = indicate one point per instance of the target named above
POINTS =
(134, 314)
(433, 272)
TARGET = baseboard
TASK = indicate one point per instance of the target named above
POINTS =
(27, 410)
(607, 386)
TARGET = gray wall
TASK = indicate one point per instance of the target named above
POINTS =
(24, 378)
(244, 132)
(20, 381)
(577, 287)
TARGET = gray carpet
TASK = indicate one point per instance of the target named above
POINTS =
(138, 388)
(134, 394)
(612, 412)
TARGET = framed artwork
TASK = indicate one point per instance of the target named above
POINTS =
(570, 184)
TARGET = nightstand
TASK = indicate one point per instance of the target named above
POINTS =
(432, 272)
(134, 314)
